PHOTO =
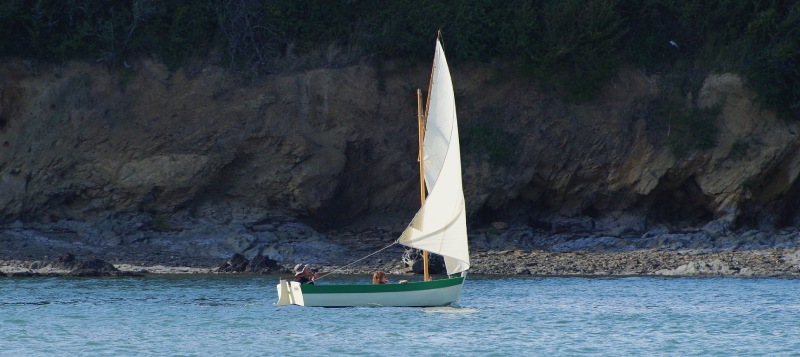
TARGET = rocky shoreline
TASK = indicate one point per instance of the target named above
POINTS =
(503, 251)
(747, 263)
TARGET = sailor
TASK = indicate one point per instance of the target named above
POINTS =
(304, 275)
(380, 278)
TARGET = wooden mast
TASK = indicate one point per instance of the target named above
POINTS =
(421, 136)
(422, 120)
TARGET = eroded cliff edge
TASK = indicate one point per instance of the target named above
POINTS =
(199, 164)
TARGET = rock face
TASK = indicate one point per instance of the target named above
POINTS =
(237, 263)
(259, 264)
(192, 155)
(79, 142)
(262, 264)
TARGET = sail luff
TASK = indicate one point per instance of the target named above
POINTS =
(433, 72)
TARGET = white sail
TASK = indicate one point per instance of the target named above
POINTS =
(440, 226)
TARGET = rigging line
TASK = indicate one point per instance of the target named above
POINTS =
(358, 260)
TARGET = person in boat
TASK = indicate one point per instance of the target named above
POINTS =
(380, 278)
(304, 275)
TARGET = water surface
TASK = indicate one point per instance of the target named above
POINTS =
(501, 316)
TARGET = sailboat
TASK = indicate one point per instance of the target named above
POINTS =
(439, 227)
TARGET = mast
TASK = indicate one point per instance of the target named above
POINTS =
(421, 121)
(421, 136)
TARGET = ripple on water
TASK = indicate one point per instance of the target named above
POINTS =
(496, 316)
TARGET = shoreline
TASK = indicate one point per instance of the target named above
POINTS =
(75, 249)
(772, 262)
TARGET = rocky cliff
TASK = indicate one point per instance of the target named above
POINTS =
(201, 157)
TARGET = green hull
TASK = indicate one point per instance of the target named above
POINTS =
(432, 293)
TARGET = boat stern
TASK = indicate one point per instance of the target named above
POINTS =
(289, 293)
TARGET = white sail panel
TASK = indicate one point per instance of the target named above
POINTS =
(440, 226)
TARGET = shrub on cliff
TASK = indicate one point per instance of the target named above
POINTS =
(573, 46)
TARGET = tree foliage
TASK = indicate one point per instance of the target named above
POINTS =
(571, 45)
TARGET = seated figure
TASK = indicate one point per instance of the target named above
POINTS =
(380, 278)
(304, 275)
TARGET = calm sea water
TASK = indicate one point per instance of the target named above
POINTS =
(497, 316)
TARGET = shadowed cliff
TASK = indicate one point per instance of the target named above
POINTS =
(327, 146)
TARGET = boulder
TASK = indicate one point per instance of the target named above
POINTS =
(262, 264)
(236, 264)
(66, 261)
(94, 267)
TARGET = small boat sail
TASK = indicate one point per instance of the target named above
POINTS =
(439, 226)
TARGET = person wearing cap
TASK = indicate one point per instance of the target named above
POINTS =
(304, 275)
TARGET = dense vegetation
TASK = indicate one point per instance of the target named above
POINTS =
(570, 45)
